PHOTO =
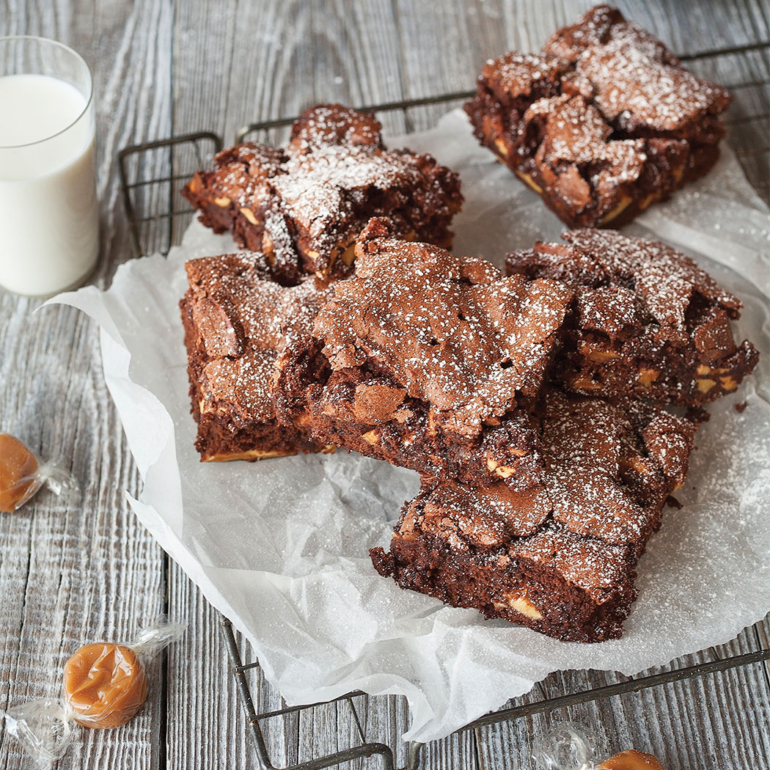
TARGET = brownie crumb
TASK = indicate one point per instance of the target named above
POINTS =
(740, 407)
(697, 414)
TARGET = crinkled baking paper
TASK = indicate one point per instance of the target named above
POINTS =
(281, 546)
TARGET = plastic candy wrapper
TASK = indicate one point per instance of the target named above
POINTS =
(571, 746)
(22, 474)
(568, 746)
(105, 684)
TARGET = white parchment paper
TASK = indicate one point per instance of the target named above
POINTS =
(280, 546)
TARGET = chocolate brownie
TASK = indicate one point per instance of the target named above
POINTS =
(304, 205)
(236, 322)
(602, 122)
(646, 320)
(426, 360)
(561, 556)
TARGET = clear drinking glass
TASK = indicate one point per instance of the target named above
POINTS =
(49, 216)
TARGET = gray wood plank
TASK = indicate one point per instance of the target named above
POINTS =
(206, 724)
(79, 571)
(719, 720)
(75, 573)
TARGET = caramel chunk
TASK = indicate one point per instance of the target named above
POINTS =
(104, 684)
(18, 469)
(374, 402)
(631, 760)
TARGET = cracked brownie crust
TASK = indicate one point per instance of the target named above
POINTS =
(426, 360)
(603, 122)
(304, 205)
(236, 322)
(646, 320)
(560, 556)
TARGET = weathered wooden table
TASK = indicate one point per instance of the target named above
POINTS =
(75, 574)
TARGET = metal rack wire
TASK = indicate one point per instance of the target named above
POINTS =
(158, 217)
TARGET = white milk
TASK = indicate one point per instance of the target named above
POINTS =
(49, 221)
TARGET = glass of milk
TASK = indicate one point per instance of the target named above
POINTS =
(49, 217)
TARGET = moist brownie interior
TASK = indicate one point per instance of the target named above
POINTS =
(561, 556)
(236, 323)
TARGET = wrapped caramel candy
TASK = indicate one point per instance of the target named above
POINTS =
(105, 684)
(631, 760)
(570, 746)
(22, 474)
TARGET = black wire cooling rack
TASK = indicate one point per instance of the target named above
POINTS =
(158, 217)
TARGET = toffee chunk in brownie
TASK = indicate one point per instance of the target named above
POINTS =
(603, 122)
(559, 557)
(426, 360)
(304, 205)
(646, 320)
(236, 322)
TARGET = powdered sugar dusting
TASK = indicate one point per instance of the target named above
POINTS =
(319, 188)
(303, 205)
(603, 122)
(665, 279)
(639, 84)
(232, 298)
(584, 444)
(587, 518)
(515, 75)
(452, 331)
(578, 134)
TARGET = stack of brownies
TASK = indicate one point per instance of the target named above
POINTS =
(550, 411)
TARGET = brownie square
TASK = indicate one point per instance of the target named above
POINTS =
(603, 122)
(646, 321)
(426, 360)
(561, 556)
(304, 205)
(237, 321)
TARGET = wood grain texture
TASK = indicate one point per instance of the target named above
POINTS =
(71, 572)
(78, 570)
